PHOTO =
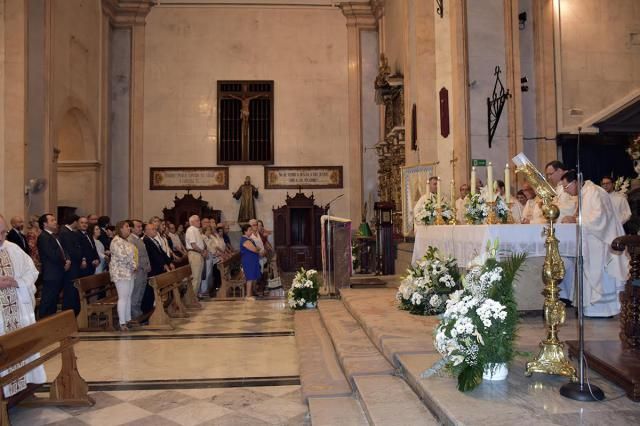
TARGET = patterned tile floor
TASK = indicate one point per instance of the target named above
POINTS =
(183, 375)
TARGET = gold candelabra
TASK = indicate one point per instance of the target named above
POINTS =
(454, 217)
(492, 218)
(551, 358)
(439, 218)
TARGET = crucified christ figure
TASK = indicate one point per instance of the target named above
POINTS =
(244, 112)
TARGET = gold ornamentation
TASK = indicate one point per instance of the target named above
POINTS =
(510, 220)
(492, 218)
(551, 358)
(439, 218)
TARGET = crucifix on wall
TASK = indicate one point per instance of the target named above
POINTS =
(245, 122)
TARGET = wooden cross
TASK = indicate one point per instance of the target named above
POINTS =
(453, 161)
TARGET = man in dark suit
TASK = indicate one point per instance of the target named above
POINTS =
(70, 241)
(55, 262)
(159, 261)
(16, 236)
(90, 258)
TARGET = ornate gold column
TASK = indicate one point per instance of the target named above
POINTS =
(132, 14)
(359, 17)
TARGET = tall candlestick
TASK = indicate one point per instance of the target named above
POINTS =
(429, 184)
(490, 181)
(438, 194)
(507, 184)
(473, 180)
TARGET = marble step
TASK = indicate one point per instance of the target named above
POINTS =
(357, 355)
(389, 401)
(392, 331)
(337, 411)
(320, 373)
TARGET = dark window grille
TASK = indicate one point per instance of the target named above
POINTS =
(245, 139)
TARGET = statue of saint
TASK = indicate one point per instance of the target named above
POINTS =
(246, 193)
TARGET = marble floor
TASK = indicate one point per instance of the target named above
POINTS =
(231, 363)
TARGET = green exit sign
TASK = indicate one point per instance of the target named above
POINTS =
(478, 163)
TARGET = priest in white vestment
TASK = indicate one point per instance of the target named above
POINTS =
(618, 200)
(605, 271)
(430, 194)
(461, 203)
(17, 295)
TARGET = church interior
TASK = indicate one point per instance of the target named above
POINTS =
(348, 129)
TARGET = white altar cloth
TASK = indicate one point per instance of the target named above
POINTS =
(464, 242)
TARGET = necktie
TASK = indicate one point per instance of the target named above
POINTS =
(62, 252)
(90, 240)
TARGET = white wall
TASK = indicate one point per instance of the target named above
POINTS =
(188, 49)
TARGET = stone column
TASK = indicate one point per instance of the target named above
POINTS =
(512, 74)
(13, 30)
(544, 57)
(459, 98)
(359, 18)
(127, 18)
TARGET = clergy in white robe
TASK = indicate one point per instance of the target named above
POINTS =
(618, 199)
(461, 209)
(17, 296)
(605, 271)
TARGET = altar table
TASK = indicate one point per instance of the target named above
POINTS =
(465, 242)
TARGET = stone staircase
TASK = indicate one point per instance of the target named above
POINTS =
(346, 376)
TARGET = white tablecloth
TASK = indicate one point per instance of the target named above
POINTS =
(464, 242)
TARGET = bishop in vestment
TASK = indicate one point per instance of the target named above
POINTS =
(605, 271)
(17, 296)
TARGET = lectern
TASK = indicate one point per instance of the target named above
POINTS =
(336, 254)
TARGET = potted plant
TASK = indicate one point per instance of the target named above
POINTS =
(304, 289)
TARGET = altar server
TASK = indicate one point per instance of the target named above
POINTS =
(605, 270)
(618, 200)
(17, 295)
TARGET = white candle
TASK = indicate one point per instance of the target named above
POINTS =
(473, 180)
(490, 181)
(438, 194)
(429, 184)
(453, 193)
(507, 184)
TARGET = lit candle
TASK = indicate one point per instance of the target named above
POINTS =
(507, 184)
(453, 193)
(490, 181)
(438, 194)
(473, 180)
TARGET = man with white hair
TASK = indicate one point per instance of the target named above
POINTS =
(17, 299)
(196, 250)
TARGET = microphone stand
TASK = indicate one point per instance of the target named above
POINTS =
(332, 278)
(577, 390)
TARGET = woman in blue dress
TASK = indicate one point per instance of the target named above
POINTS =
(250, 258)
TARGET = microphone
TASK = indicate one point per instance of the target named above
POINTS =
(330, 202)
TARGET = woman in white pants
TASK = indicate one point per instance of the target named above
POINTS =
(122, 268)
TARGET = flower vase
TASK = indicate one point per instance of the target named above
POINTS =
(495, 372)
(310, 305)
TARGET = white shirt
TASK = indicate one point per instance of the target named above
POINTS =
(620, 206)
(193, 237)
(460, 210)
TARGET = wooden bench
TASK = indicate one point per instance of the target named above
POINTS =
(189, 298)
(232, 276)
(69, 388)
(166, 289)
(98, 302)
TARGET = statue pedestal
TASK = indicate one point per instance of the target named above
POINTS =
(614, 362)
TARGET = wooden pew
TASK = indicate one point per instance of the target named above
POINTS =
(233, 282)
(69, 388)
(98, 302)
(189, 298)
(166, 289)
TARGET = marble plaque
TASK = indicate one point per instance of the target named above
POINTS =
(303, 177)
(189, 178)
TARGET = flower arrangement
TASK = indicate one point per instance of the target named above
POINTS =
(304, 289)
(622, 185)
(427, 285)
(634, 149)
(502, 209)
(477, 209)
(426, 214)
(478, 328)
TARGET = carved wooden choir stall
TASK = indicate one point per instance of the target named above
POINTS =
(187, 206)
(297, 233)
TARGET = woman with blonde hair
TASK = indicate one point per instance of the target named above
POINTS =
(122, 268)
(32, 234)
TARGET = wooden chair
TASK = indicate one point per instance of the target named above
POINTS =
(189, 298)
(98, 302)
(166, 289)
(69, 388)
(233, 283)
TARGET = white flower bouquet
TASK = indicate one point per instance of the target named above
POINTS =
(426, 287)
(426, 213)
(621, 185)
(304, 289)
(478, 327)
(477, 209)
